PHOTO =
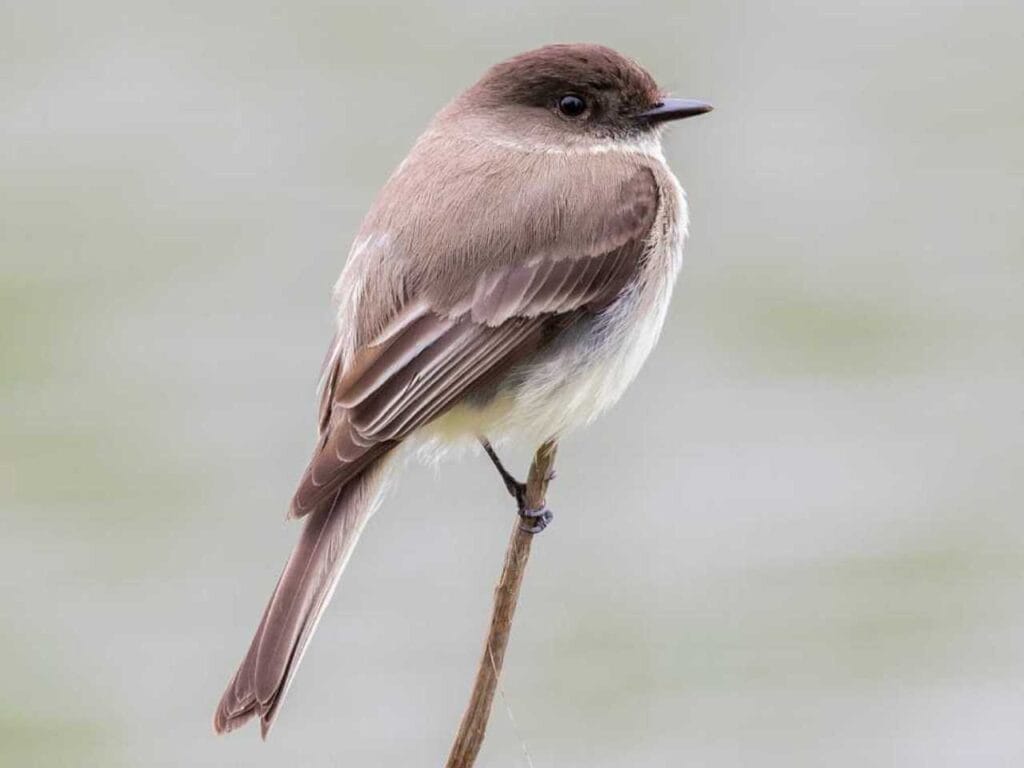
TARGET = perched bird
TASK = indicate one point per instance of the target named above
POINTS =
(510, 279)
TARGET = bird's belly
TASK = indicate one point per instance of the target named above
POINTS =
(586, 375)
(586, 369)
(580, 375)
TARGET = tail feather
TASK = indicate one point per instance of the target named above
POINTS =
(303, 591)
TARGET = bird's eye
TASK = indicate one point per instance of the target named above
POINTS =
(572, 105)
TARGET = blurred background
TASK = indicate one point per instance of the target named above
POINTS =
(796, 542)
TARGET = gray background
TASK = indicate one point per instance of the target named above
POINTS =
(798, 539)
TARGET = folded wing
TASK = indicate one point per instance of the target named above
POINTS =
(436, 351)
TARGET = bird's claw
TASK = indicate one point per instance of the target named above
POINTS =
(534, 520)
(531, 520)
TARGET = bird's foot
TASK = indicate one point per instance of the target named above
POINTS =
(531, 520)
(534, 520)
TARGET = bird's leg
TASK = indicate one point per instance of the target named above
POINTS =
(515, 488)
(533, 520)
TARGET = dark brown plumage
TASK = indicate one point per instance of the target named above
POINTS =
(617, 87)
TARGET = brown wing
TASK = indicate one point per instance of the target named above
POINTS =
(437, 350)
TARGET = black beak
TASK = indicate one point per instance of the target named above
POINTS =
(674, 109)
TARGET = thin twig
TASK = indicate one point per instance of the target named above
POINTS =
(506, 594)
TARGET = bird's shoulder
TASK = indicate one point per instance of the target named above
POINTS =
(457, 212)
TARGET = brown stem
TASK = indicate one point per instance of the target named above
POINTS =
(506, 594)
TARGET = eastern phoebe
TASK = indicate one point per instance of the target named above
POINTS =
(509, 280)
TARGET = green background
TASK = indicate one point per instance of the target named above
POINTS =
(796, 542)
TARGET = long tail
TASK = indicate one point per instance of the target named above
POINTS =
(302, 593)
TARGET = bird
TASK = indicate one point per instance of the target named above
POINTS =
(508, 282)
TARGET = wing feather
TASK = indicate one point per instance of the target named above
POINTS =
(437, 350)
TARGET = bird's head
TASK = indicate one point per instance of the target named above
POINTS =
(571, 94)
